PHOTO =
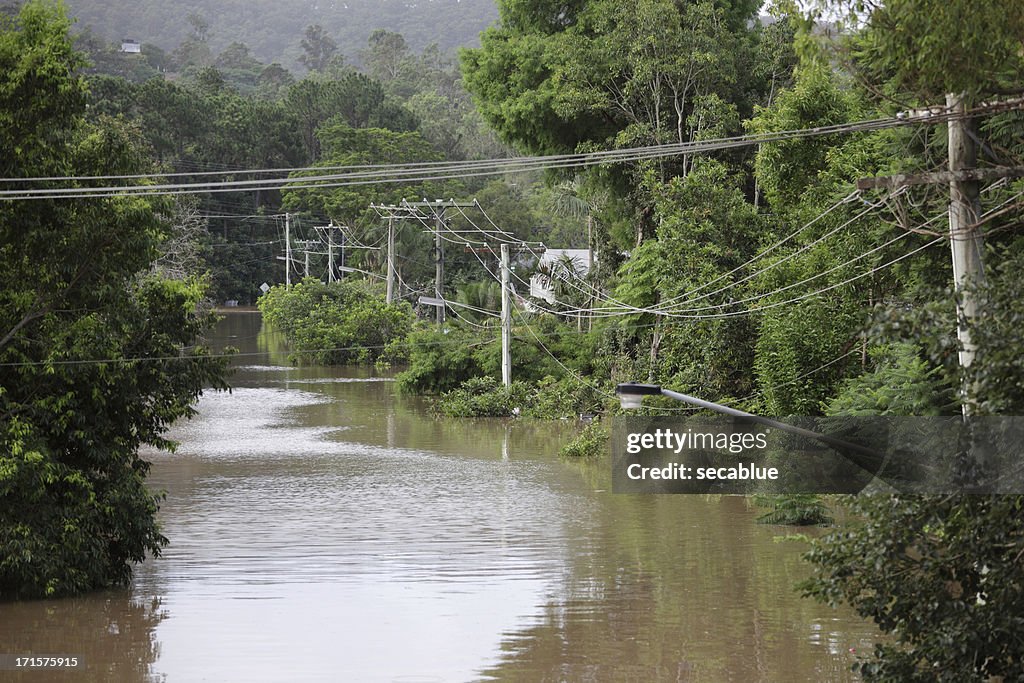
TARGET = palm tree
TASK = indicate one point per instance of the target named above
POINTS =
(564, 276)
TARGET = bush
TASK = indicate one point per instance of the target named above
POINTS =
(795, 509)
(942, 575)
(485, 397)
(337, 323)
(568, 397)
(592, 442)
(549, 399)
(439, 361)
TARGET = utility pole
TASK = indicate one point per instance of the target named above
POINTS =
(287, 251)
(305, 250)
(341, 250)
(966, 241)
(590, 242)
(330, 252)
(439, 264)
(506, 319)
(390, 297)
(418, 211)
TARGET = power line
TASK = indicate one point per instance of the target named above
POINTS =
(693, 313)
(932, 116)
(432, 171)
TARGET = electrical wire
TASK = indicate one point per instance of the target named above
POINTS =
(432, 171)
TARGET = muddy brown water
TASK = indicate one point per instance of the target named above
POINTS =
(324, 528)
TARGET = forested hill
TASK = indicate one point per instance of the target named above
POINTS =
(273, 29)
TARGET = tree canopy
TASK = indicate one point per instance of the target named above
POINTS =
(96, 354)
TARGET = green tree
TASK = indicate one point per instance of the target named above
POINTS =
(273, 80)
(927, 48)
(386, 56)
(344, 145)
(550, 77)
(354, 98)
(786, 168)
(96, 357)
(319, 49)
(706, 229)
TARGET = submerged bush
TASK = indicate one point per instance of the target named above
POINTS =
(548, 399)
(566, 397)
(336, 323)
(485, 397)
(589, 443)
(439, 361)
(795, 509)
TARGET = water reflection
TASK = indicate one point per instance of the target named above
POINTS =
(112, 632)
(325, 528)
(679, 589)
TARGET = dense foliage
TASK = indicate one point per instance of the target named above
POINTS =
(591, 442)
(96, 353)
(332, 324)
(943, 575)
(548, 399)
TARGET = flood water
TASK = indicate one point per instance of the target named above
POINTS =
(325, 529)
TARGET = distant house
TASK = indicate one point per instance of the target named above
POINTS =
(554, 261)
(131, 46)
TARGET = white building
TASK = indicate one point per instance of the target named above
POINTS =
(553, 260)
(131, 46)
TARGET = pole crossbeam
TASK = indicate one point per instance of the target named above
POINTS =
(895, 182)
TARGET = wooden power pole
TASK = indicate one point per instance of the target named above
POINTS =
(966, 240)
(439, 264)
(390, 297)
(506, 319)
(965, 236)
(287, 251)
(330, 252)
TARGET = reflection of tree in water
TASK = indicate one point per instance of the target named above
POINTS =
(680, 588)
(587, 639)
(114, 634)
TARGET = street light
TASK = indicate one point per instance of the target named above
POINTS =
(631, 394)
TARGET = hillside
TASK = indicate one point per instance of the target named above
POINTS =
(273, 29)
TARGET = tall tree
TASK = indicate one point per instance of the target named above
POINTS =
(96, 357)
(344, 145)
(552, 76)
(319, 49)
(386, 55)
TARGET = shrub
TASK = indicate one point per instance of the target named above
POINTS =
(439, 361)
(485, 397)
(795, 509)
(589, 443)
(567, 397)
(337, 323)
